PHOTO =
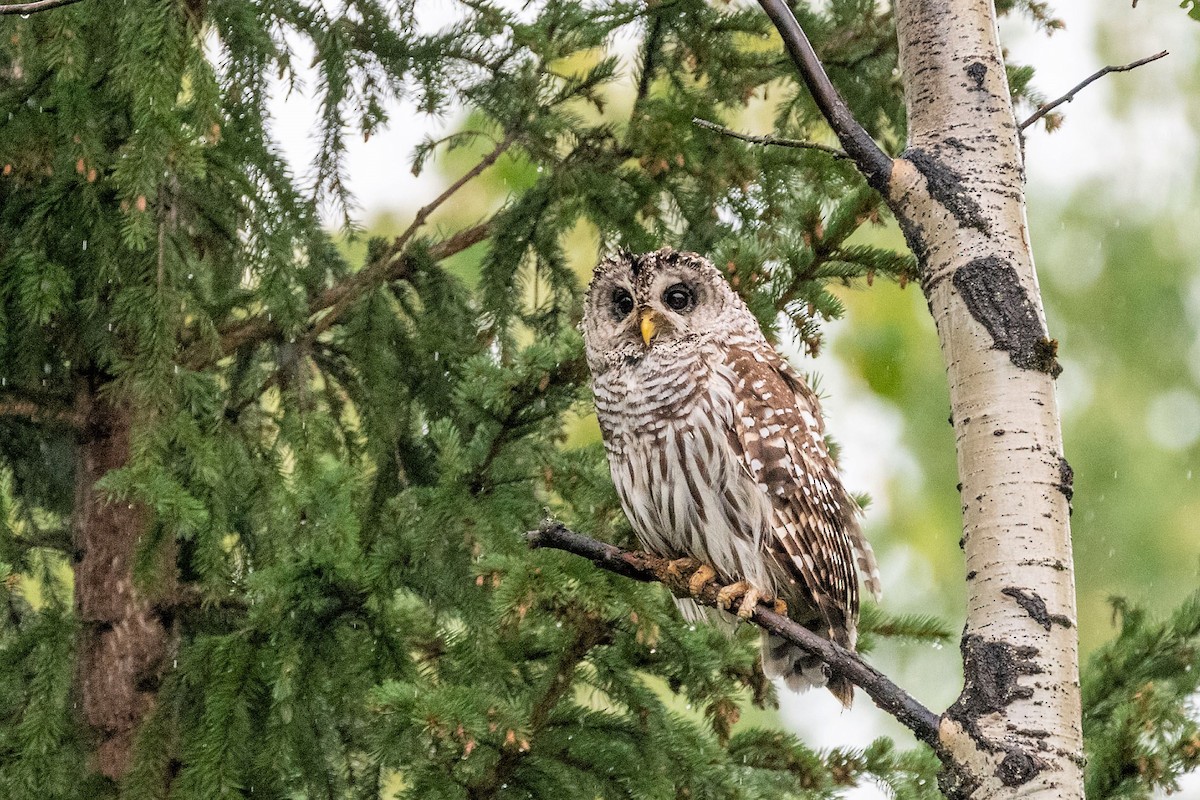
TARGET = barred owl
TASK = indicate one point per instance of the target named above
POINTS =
(717, 450)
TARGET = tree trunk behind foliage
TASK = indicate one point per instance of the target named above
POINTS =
(958, 190)
(123, 639)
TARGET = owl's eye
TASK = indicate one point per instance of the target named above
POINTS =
(622, 302)
(678, 297)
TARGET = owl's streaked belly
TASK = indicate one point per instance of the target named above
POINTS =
(681, 483)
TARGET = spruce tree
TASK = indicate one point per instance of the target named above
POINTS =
(261, 505)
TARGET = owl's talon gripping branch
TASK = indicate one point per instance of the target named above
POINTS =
(739, 591)
(703, 576)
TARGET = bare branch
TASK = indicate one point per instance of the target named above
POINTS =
(649, 569)
(423, 214)
(874, 164)
(1046, 108)
(769, 140)
(33, 8)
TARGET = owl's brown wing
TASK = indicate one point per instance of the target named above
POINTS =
(778, 430)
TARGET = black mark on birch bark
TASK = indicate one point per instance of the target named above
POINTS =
(914, 234)
(1017, 767)
(1066, 479)
(977, 72)
(1035, 607)
(991, 671)
(947, 187)
(993, 294)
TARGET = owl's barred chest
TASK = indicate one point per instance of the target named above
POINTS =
(682, 484)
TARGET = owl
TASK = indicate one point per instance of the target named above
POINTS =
(718, 454)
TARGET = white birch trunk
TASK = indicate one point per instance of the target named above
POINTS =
(1015, 730)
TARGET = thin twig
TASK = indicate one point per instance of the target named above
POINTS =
(799, 144)
(648, 569)
(1046, 108)
(33, 8)
(874, 164)
(423, 213)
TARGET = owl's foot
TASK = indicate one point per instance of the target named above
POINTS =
(748, 594)
(700, 577)
(780, 607)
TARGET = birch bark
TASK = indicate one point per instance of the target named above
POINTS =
(958, 190)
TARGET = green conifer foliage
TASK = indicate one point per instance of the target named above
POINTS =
(320, 471)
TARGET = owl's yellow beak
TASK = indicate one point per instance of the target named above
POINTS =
(648, 327)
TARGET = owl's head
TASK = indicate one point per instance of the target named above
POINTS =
(662, 302)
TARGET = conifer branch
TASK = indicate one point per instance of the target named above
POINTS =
(390, 266)
(799, 144)
(33, 8)
(333, 302)
(874, 164)
(649, 569)
(590, 632)
(1046, 108)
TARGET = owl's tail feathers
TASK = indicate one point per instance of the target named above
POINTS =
(801, 671)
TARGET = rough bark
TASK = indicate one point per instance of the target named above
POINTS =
(123, 642)
(958, 189)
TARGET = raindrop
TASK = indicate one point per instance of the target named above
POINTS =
(558, 624)
(85, 244)
(190, 276)
(653, 650)
(176, 369)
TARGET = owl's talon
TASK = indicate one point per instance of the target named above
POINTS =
(730, 593)
(700, 577)
(749, 603)
(780, 607)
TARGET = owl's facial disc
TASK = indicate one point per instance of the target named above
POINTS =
(663, 302)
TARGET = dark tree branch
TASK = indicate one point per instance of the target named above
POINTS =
(33, 8)
(37, 410)
(1046, 108)
(649, 569)
(874, 164)
(769, 140)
